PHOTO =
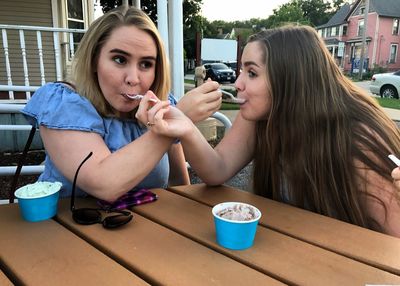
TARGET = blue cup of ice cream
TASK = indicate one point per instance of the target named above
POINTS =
(38, 201)
(235, 224)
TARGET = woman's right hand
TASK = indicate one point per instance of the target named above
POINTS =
(201, 102)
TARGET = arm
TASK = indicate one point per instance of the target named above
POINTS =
(178, 173)
(106, 175)
(201, 102)
(214, 166)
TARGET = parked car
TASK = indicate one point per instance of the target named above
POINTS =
(232, 65)
(386, 84)
(220, 72)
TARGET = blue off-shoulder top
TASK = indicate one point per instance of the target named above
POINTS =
(56, 106)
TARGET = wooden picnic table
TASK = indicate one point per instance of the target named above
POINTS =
(172, 242)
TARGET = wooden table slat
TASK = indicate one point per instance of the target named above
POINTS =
(4, 281)
(291, 260)
(379, 250)
(45, 253)
(162, 256)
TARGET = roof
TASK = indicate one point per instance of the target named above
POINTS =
(384, 8)
(339, 18)
(332, 41)
(388, 8)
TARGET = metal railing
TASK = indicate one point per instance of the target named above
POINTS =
(8, 108)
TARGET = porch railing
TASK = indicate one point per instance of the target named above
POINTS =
(53, 51)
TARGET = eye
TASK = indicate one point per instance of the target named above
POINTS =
(251, 74)
(119, 60)
(146, 64)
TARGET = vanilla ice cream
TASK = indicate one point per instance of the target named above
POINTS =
(37, 190)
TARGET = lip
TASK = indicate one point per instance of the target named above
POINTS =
(125, 95)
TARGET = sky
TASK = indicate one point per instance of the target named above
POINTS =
(239, 10)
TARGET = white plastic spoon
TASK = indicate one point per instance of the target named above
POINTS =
(394, 159)
(232, 99)
(137, 97)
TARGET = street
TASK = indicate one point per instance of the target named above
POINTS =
(364, 85)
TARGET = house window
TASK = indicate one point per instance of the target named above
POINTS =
(328, 31)
(360, 27)
(75, 18)
(395, 29)
(362, 10)
(344, 30)
(393, 53)
(333, 32)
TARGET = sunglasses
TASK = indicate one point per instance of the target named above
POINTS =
(88, 216)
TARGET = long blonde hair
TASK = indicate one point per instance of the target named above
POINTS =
(84, 66)
(318, 125)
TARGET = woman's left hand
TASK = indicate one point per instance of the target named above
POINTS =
(149, 105)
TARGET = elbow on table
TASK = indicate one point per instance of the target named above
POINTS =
(107, 190)
(214, 182)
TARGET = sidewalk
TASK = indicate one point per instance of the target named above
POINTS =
(394, 114)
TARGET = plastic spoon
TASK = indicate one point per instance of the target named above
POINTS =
(394, 159)
(137, 97)
(232, 99)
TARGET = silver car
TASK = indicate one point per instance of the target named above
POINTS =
(386, 84)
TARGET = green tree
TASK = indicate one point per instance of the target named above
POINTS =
(287, 13)
(315, 11)
(192, 21)
(191, 8)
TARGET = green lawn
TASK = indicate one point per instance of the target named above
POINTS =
(389, 102)
(229, 106)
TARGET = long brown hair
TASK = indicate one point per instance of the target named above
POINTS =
(319, 124)
(85, 60)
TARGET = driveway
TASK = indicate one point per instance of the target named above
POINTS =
(364, 85)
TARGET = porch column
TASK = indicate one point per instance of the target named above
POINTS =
(175, 11)
(162, 22)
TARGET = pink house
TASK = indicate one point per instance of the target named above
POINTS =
(343, 34)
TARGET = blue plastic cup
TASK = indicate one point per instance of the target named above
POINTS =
(235, 234)
(38, 201)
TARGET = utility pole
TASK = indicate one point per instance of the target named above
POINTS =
(363, 45)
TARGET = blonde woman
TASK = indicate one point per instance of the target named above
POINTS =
(120, 55)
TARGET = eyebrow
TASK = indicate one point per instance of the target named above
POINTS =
(249, 63)
(119, 51)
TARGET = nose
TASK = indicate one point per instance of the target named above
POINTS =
(239, 83)
(132, 76)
